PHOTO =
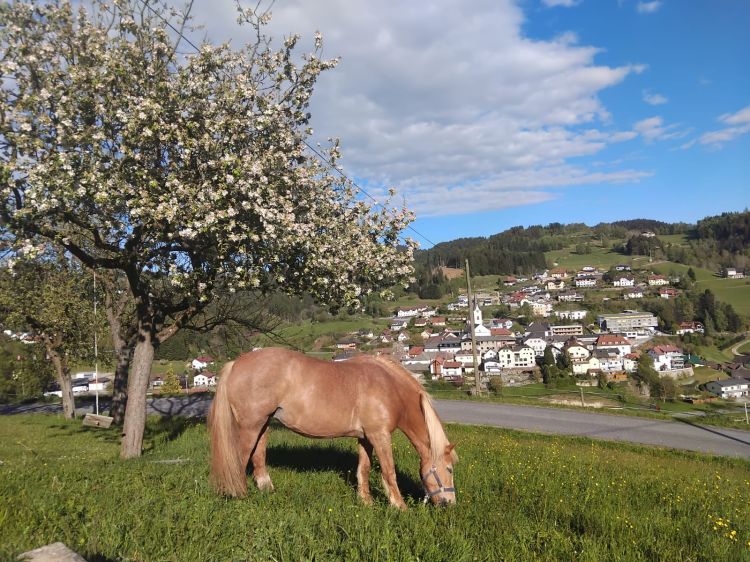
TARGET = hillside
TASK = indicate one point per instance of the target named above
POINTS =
(712, 244)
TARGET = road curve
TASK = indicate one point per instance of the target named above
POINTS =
(682, 434)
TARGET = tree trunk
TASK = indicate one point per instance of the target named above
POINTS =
(62, 372)
(135, 410)
(120, 384)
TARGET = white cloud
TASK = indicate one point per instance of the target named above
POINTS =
(648, 7)
(739, 118)
(563, 3)
(653, 129)
(654, 99)
(736, 125)
(716, 139)
(441, 102)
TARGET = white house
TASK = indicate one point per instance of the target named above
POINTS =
(690, 328)
(399, 324)
(501, 323)
(636, 293)
(537, 344)
(667, 357)
(201, 380)
(541, 308)
(614, 341)
(587, 281)
(730, 388)
(200, 363)
(452, 370)
(583, 366)
(571, 314)
(657, 280)
(610, 360)
(410, 311)
(555, 285)
(732, 273)
(523, 356)
(570, 296)
(624, 281)
(576, 351)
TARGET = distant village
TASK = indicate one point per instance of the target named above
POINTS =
(438, 347)
(606, 347)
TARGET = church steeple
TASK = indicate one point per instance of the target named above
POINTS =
(477, 314)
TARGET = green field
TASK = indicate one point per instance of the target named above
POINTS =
(303, 335)
(520, 497)
(604, 258)
(733, 291)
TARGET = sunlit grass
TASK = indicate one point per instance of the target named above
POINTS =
(521, 497)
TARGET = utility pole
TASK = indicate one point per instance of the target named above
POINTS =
(96, 350)
(583, 403)
(477, 378)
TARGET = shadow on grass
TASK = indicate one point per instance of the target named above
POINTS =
(164, 429)
(96, 557)
(158, 430)
(318, 458)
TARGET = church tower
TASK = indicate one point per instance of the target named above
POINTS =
(478, 321)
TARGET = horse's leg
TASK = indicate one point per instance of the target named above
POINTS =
(258, 458)
(249, 438)
(382, 444)
(363, 470)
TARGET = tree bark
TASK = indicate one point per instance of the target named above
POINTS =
(135, 410)
(62, 371)
(122, 344)
(120, 384)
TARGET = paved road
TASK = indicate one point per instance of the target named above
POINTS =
(686, 434)
(736, 347)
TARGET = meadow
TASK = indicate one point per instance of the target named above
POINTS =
(733, 291)
(521, 497)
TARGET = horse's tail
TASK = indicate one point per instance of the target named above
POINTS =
(227, 472)
(438, 439)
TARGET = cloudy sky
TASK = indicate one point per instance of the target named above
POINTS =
(485, 114)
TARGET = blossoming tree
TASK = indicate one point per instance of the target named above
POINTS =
(187, 173)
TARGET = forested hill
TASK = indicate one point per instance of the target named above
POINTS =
(730, 231)
(713, 240)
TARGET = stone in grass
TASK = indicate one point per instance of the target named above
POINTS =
(55, 552)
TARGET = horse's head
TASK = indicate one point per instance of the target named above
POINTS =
(438, 479)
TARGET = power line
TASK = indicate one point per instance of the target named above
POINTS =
(309, 146)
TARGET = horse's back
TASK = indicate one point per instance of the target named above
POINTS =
(316, 397)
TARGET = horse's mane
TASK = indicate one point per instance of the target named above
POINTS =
(438, 439)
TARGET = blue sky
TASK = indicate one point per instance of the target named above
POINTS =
(487, 114)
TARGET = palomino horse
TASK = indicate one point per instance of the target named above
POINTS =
(365, 397)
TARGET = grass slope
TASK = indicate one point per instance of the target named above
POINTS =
(521, 497)
(733, 291)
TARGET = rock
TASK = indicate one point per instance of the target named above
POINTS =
(55, 552)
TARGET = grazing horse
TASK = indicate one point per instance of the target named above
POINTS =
(364, 397)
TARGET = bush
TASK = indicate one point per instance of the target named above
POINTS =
(495, 384)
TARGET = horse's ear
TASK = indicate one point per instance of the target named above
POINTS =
(449, 447)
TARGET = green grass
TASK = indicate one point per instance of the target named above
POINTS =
(521, 497)
(603, 258)
(303, 334)
(744, 348)
(674, 239)
(733, 291)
